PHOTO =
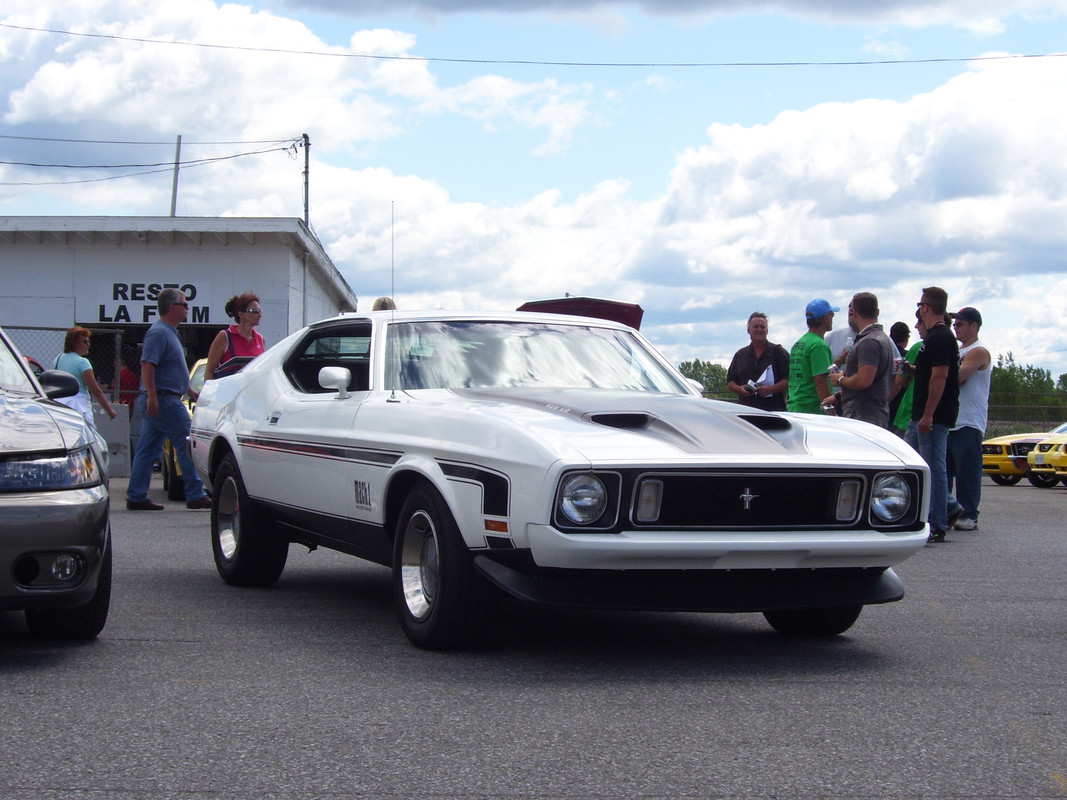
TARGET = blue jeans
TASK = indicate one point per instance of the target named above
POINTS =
(933, 447)
(965, 468)
(172, 422)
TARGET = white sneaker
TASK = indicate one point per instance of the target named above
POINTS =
(966, 524)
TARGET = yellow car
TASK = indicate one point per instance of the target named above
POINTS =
(1048, 460)
(172, 472)
(1004, 457)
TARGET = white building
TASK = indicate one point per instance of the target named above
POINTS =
(104, 273)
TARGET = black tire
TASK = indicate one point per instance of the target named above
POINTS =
(814, 621)
(172, 481)
(443, 601)
(1005, 480)
(1042, 480)
(248, 549)
(82, 622)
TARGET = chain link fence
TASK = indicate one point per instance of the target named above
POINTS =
(109, 351)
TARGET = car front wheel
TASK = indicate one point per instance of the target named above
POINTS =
(1042, 480)
(814, 621)
(248, 549)
(82, 622)
(442, 600)
(1006, 480)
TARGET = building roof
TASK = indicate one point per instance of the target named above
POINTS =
(289, 231)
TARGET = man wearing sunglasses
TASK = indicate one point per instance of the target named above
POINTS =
(164, 379)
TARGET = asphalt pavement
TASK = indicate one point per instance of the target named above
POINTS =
(310, 690)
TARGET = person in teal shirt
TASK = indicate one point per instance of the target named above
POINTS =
(810, 360)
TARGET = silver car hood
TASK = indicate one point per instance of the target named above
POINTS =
(687, 426)
(29, 424)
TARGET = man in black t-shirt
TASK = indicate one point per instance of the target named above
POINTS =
(935, 402)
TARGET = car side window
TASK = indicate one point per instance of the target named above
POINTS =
(347, 347)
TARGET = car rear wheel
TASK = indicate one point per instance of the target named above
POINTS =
(1042, 480)
(814, 621)
(442, 600)
(82, 622)
(248, 549)
(1006, 480)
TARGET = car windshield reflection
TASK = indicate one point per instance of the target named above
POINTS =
(456, 355)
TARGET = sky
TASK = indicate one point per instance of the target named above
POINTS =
(703, 159)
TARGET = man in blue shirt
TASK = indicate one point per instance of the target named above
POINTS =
(164, 379)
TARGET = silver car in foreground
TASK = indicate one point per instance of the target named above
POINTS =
(55, 532)
(560, 460)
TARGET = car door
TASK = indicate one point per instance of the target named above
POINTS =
(303, 454)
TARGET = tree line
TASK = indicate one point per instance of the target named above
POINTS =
(1022, 397)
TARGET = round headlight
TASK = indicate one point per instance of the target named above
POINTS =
(890, 498)
(583, 498)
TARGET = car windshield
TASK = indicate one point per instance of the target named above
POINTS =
(454, 355)
(13, 377)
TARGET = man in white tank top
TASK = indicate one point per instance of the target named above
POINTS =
(965, 440)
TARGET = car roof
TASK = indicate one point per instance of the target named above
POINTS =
(526, 317)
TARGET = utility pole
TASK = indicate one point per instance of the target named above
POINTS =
(307, 174)
(174, 186)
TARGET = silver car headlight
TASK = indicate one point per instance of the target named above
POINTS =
(583, 498)
(890, 498)
(36, 473)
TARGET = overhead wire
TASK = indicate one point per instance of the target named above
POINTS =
(544, 63)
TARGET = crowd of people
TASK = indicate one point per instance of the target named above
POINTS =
(935, 394)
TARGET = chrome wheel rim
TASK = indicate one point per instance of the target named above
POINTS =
(229, 519)
(419, 565)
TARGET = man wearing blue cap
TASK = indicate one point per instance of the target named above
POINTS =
(810, 360)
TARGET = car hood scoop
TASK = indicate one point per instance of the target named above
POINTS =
(693, 425)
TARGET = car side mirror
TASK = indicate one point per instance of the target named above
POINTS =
(57, 383)
(337, 378)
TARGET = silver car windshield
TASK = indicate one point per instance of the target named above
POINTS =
(13, 377)
(455, 355)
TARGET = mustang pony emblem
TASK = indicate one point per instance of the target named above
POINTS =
(747, 498)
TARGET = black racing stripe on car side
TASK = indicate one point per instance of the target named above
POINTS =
(496, 490)
(336, 452)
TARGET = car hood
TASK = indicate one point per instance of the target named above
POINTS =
(645, 425)
(30, 424)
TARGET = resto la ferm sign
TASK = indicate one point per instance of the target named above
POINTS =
(135, 303)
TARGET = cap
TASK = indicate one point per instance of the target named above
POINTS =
(900, 330)
(819, 308)
(968, 314)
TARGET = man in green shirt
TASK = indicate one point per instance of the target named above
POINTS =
(810, 360)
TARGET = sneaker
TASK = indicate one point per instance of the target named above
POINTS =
(936, 536)
(967, 524)
(142, 505)
(200, 504)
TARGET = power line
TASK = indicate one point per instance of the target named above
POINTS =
(163, 167)
(190, 162)
(170, 143)
(521, 62)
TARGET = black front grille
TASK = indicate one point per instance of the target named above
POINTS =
(1021, 448)
(750, 501)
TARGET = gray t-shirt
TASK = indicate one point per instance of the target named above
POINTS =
(872, 347)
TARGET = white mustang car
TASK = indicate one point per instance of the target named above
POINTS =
(558, 459)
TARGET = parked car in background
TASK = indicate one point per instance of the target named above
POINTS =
(560, 460)
(1004, 458)
(1048, 460)
(55, 532)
